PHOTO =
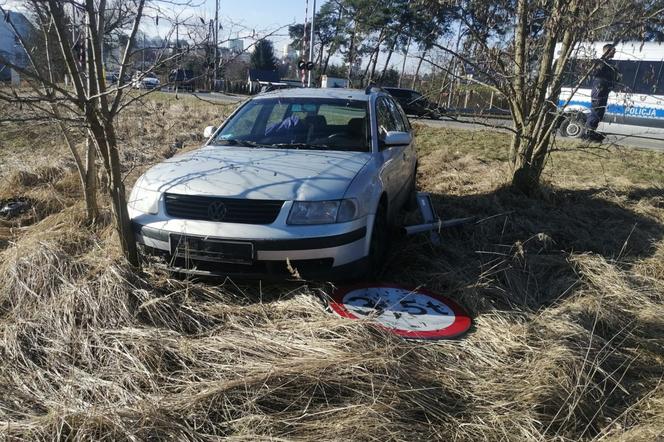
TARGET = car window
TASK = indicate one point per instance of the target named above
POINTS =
(398, 93)
(299, 123)
(242, 124)
(414, 96)
(626, 75)
(396, 115)
(403, 116)
(337, 115)
(384, 116)
(646, 78)
(277, 114)
(577, 74)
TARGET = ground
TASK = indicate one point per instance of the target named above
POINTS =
(566, 291)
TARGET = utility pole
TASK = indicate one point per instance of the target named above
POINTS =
(216, 44)
(304, 39)
(311, 41)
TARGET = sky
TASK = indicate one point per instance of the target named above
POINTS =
(242, 18)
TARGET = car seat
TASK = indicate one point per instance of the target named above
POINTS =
(316, 127)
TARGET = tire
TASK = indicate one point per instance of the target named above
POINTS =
(573, 126)
(379, 243)
(411, 202)
(434, 114)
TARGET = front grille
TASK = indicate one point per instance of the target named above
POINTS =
(228, 210)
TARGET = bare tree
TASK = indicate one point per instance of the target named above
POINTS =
(78, 30)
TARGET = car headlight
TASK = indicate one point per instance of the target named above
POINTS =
(322, 212)
(145, 201)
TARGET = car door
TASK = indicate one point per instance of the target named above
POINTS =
(418, 103)
(408, 155)
(392, 156)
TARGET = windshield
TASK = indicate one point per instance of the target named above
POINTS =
(299, 123)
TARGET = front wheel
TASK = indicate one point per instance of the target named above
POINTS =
(573, 126)
(379, 244)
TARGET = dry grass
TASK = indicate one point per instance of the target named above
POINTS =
(567, 291)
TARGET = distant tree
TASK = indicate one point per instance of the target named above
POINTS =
(263, 56)
(390, 77)
(337, 70)
(329, 34)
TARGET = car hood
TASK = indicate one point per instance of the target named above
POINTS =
(257, 173)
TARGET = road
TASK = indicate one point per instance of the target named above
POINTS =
(617, 134)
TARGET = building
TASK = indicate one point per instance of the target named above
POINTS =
(288, 52)
(236, 45)
(10, 47)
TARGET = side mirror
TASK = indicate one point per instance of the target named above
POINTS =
(207, 133)
(394, 138)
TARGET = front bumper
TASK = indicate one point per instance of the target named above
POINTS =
(339, 254)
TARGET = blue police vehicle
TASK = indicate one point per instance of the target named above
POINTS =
(635, 106)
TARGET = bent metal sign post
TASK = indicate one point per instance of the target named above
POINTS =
(411, 313)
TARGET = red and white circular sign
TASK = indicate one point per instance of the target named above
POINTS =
(411, 313)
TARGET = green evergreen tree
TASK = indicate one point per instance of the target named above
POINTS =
(263, 56)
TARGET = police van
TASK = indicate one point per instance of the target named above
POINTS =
(636, 104)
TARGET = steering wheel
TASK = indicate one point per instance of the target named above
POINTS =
(337, 136)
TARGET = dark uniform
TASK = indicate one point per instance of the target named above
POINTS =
(604, 79)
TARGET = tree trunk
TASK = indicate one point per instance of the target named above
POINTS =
(333, 45)
(375, 59)
(90, 182)
(403, 65)
(417, 71)
(387, 61)
(327, 61)
(104, 134)
(365, 76)
(90, 185)
(101, 121)
(351, 55)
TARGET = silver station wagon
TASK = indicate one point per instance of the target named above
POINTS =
(301, 182)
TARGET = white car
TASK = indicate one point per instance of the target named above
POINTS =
(296, 181)
(146, 81)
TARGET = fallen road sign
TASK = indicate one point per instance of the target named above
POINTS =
(414, 313)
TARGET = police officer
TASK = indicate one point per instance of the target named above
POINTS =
(604, 79)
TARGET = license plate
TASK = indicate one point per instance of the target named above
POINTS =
(214, 250)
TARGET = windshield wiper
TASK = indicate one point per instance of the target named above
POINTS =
(300, 146)
(234, 142)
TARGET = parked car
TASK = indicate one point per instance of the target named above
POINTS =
(305, 180)
(146, 81)
(634, 107)
(112, 78)
(414, 103)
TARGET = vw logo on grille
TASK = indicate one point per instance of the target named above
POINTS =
(217, 211)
